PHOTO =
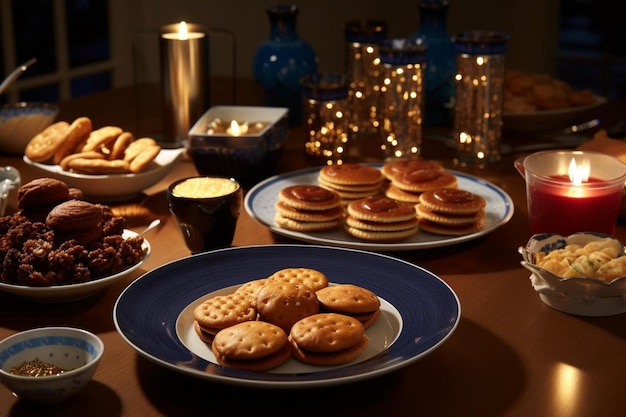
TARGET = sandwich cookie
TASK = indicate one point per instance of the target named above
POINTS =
(351, 300)
(220, 312)
(252, 346)
(307, 208)
(284, 303)
(451, 211)
(327, 339)
(381, 219)
(312, 278)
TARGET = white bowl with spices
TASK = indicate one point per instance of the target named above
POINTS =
(582, 274)
(47, 365)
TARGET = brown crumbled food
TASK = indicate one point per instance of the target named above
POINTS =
(30, 255)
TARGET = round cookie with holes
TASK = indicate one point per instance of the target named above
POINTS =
(252, 346)
(284, 303)
(327, 339)
(220, 312)
(351, 300)
(312, 278)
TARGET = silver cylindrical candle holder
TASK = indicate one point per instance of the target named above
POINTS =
(479, 80)
(402, 97)
(184, 77)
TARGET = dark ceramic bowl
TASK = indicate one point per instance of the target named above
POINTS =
(248, 157)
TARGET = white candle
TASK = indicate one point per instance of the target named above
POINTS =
(184, 76)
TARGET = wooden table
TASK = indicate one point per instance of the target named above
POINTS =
(510, 355)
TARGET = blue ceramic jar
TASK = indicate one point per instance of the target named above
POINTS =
(441, 62)
(282, 60)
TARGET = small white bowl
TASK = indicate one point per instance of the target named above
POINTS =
(70, 348)
(583, 296)
(113, 187)
(20, 122)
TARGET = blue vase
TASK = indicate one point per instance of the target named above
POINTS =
(440, 62)
(282, 61)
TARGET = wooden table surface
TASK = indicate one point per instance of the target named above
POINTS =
(511, 355)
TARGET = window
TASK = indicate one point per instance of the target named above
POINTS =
(69, 38)
(592, 47)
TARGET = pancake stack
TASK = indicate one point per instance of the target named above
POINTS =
(451, 211)
(352, 181)
(308, 208)
(381, 218)
(407, 185)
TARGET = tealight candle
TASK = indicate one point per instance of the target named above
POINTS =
(184, 69)
(571, 192)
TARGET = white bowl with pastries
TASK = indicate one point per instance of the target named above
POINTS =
(48, 365)
(20, 122)
(582, 274)
(106, 162)
(538, 102)
(58, 248)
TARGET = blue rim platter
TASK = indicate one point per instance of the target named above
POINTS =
(420, 311)
(260, 200)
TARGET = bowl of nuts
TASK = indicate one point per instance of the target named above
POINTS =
(47, 365)
(582, 274)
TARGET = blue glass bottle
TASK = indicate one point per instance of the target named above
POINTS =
(282, 61)
(441, 62)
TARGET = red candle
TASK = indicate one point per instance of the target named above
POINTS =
(559, 205)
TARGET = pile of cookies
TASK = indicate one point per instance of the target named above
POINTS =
(292, 313)
(524, 91)
(77, 147)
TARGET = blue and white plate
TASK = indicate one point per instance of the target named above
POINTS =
(260, 200)
(154, 314)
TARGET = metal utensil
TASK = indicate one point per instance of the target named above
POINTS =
(153, 224)
(15, 74)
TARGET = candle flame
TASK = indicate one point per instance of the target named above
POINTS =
(236, 129)
(579, 173)
(183, 34)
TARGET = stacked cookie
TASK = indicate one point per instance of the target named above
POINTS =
(451, 211)
(308, 208)
(351, 300)
(327, 339)
(381, 218)
(220, 312)
(408, 179)
(351, 181)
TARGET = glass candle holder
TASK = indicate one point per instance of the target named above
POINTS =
(326, 116)
(477, 130)
(363, 69)
(403, 65)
